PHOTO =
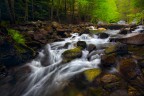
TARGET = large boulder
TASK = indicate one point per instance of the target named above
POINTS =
(118, 49)
(71, 54)
(128, 68)
(133, 38)
(131, 72)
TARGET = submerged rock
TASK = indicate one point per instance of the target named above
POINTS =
(91, 47)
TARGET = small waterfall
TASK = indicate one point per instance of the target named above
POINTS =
(49, 75)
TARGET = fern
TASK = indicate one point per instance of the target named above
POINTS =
(16, 36)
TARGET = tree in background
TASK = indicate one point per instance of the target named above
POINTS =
(71, 11)
(105, 10)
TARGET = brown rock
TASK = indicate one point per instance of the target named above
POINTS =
(108, 61)
(82, 44)
(136, 39)
(109, 78)
(128, 68)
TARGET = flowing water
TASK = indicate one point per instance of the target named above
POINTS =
(48, 74)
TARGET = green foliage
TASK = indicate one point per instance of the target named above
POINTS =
(105, 10)
(16, 36)
(82, 10)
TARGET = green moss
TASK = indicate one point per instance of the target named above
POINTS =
(16, 36)
(110, 49)
(72, 54)
(72, 51)
(92, 74)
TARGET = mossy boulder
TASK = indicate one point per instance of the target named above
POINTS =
(118, 49)
(92, 74)
(72, 54)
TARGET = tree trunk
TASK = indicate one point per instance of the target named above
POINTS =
(66, 10)
(26, 11)
(52, 9)
(73, 10)
(32, 9)
(10, 8)
(0, 15)
(58, 16)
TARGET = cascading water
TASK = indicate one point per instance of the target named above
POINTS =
(48, 74)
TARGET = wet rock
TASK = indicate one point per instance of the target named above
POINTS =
(101, 29)
(71, 54)
(97, 31)
(124, 31)
(134, 38)
(92, 74)
(67, 45)
(91, 47)
(82, 44)
(119, 49)
(103, 35)
(63, 32)
(109, 78)
(128, 68)
(86, 31)
(131, 72)
(108, 61)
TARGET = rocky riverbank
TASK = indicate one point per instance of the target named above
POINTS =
(121, 70)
